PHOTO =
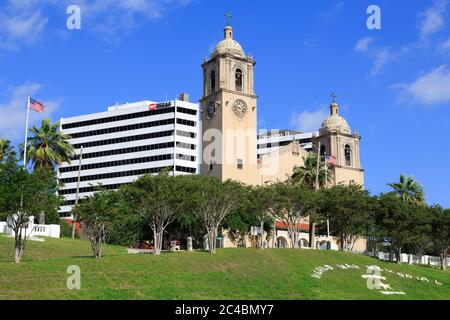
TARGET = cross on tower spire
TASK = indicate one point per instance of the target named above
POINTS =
(333, 96)
(229, 16)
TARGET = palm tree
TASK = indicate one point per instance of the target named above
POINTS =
(409, 190)
(48, 146)
(5, 146)
(306, 174)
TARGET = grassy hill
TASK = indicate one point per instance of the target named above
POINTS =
(230, 274)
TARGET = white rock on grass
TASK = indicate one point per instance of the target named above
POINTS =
(392, 293)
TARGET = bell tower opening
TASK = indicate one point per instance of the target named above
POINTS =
(238, 80)
(212, 79)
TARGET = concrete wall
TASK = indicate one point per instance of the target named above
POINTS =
(413, 259)
(37, 230)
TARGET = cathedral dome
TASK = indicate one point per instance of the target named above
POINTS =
(228, 45)
(335, 122)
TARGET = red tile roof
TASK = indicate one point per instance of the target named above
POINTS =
(301, 226)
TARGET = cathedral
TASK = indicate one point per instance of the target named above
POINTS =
(229, 124)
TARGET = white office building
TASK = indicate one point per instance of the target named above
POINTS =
(129, 141)
(269, 141)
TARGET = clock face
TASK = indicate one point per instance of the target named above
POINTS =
(240, 108)
(210, 110)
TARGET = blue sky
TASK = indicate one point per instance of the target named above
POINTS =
(393, 84)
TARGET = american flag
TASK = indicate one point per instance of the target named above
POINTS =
(330, 160)
(36, 105)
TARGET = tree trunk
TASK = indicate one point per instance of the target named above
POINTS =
(212, 235)
(158, 240)
(99, 252)
(398, 254)
(391, 255)
(312, 235)
(73, 227)
(18, 252)
(261, 241)
(443, 257)
(295, 236)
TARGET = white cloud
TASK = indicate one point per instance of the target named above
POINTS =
(334, 11)
(380, 56)
(363, 44)
(22, 22)
(308, 121)
(429, 89)
(116, 17)
(432, 20)
(446, 45)
(13, 111)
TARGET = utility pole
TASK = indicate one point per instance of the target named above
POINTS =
(74, 219)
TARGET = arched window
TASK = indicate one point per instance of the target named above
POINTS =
(348, 155)
(212, 80)
(239, 79)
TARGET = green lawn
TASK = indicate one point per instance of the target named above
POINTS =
(230, 274)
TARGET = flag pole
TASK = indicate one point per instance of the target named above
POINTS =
(26, 135)
(326, 186)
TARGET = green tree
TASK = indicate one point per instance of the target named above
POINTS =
(260, 200)
(348, 209)
(97, 214)
(157, 200)
(421, 230)
(5, 147)
(211, 201)
(397, 221)
(22, 196)
(409, 190)
(292, 205)
(441, 233)
(305, 175)
(48, 146)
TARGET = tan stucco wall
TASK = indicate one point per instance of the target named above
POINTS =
(279, 165)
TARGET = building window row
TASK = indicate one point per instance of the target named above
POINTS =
(186, 122)
(118, 118)
(110, 176)
(159, 134)
(135, 126)
(185, 169)
(187, 111)
(162, 157)
(115, 164)
(186, 157)
(186, 145)
(108, 153)
(186, 134)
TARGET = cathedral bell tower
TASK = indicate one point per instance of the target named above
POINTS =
(229, 136)
(338, 141)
